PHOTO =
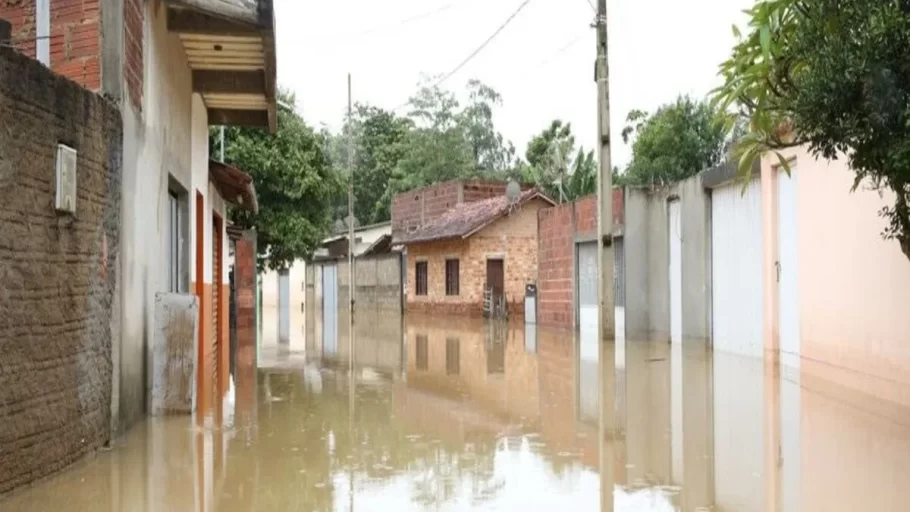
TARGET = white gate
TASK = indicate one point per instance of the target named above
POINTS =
(736, 269)
(788, 271)
(284, 306)
(675, 234)
(586, 284)
(330, 309)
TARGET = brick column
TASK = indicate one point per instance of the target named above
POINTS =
(245, 323)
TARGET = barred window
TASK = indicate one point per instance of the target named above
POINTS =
(452, 277)
(421, 277)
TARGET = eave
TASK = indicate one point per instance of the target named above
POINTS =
(230, 48)
(234, 185)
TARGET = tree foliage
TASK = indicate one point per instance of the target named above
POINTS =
(833, 75)
(556, 166)
(677, 141)
(295, 186)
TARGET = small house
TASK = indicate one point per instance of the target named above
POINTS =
(476, 253)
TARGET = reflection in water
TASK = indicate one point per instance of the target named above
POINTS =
(429, 414)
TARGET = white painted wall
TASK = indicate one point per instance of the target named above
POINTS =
(168, 138)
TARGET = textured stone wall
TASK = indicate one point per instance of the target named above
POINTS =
(56, 271)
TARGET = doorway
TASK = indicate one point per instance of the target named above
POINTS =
(219, 377)
(496, 285)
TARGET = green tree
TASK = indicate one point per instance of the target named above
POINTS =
(436, 148)
(378, 137)
(557, 167)
(491, 153)
(295, 185)
(679, 140)
(833, 75)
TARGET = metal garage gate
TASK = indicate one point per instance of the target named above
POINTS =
(330, 309)
(736, 269)
(586, 284)
(619, 273)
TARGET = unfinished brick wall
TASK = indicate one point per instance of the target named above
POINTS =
(560, 227)
(133, 21)
(412, 209)
(75, 36)
(57, 272)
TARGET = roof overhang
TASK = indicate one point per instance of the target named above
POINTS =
(230, 48)
(234, 185)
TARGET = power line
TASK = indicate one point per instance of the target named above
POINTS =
(484, 45)
(405, 21)
(475, 52)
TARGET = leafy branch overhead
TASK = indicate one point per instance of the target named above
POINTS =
(294, 181)
(833, 75)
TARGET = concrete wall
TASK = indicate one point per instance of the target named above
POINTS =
(647, 252)
(854, 286)
(378, 282)
(57, 271)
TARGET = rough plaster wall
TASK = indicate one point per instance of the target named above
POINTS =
(658, 267)
(157, 142)
(174, 353)
(695, 209)
(57, 275)
(635, 243)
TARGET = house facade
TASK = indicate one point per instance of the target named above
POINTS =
(171, 69)
(487, 246)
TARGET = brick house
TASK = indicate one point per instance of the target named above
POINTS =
(171, 69)
(487, 243)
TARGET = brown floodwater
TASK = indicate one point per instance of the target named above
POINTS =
(455, 414)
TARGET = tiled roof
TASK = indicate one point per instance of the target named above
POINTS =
(466, 219)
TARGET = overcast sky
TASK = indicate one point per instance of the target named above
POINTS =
(541, 63)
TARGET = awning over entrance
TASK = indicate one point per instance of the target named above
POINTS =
(234, 185)
(230, 46)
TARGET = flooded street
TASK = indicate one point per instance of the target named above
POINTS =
(455, 414)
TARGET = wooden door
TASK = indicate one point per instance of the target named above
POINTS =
(496, 278)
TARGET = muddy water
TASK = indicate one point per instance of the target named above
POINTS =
(439, 414)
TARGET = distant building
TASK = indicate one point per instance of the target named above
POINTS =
(488, 245)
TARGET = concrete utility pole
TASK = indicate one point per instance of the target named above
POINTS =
(604, 181)
(606, 312)
(350, 158)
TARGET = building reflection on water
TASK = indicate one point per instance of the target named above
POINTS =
(455, 414)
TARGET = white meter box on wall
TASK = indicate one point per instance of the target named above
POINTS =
(66, 179)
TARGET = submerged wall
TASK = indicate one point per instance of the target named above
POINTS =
(57, 271)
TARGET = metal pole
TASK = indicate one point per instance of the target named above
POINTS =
(222, 144)
(606, 311)
(351, 240)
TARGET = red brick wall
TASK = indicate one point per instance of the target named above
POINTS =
(75, 43)
(133, 71)
(555, 262)
(558, 228)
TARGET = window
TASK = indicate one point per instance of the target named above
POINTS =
(421, 277)
(452, 287)
(174, 239)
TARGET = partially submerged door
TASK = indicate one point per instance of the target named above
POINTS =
(496, 280)
(675, 234)
(586, 284)
(736, 269)
(330, 309)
